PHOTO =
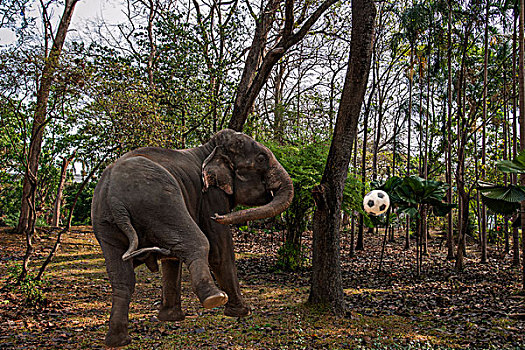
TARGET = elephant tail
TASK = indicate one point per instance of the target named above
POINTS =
(123, 222)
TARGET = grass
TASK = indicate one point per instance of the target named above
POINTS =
(79, 295)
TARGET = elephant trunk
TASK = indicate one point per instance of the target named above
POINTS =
(279, 182)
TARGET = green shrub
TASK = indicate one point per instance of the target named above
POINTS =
(305, 164)
(31, 288)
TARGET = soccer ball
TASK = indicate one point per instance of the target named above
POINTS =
(376, 202)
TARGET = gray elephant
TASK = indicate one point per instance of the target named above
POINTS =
(174, 206)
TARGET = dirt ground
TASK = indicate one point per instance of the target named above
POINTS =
(394, 309)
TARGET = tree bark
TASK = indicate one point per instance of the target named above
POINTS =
(462, 137)
(410, 87)
(326, 284)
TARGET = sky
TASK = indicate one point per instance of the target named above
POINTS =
(85, 11)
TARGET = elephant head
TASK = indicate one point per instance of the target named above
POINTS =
(248, 171)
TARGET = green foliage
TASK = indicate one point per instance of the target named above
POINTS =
(123, 110)
(290, 258)
(82, 212)
(11, 160)
(515, 166)
(305, 164)
(31, 288)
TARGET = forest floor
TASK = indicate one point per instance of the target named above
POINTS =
(393, 309)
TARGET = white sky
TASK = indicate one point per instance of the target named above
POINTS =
(85, 11)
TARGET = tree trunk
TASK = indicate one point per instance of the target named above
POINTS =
(505, 157)
(521, 95)
(514, 179)
(483, 211)
(450, 225)
(27, 218)
(55, 220)
(409, 122)
(462, 136)
(326, 283)
(278, 109)
(360, 244)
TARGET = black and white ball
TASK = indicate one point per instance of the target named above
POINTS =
(376, 202)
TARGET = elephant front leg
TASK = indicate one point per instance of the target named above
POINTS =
(226, 275)
(186, 242)
(170, 308)
(222, 261)
(203, 286)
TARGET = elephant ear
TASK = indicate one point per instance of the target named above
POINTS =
(217, 171)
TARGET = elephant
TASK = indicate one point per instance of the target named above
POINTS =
(176, 206)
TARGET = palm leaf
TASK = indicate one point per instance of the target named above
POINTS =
(442, 209)
(517, 165)
(410, 211)
(500, 206)
(508, 166)
(509, 193)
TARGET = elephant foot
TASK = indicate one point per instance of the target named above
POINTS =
(237, 311)
(171, 314)
(116, 339)
(215, 300)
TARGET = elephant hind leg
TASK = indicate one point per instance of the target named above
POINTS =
(170, 308)
(122, 280)
(118, 321)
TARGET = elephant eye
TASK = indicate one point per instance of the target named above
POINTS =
(260, 158)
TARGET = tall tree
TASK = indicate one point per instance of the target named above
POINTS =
(450, 228)
(27, 211)
(326, 283)
(483, 213)
(521, 96)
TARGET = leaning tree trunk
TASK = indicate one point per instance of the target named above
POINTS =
(55, 220)
(27, 218)
(326, 282)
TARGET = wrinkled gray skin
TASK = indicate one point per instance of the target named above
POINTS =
(174, 206)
